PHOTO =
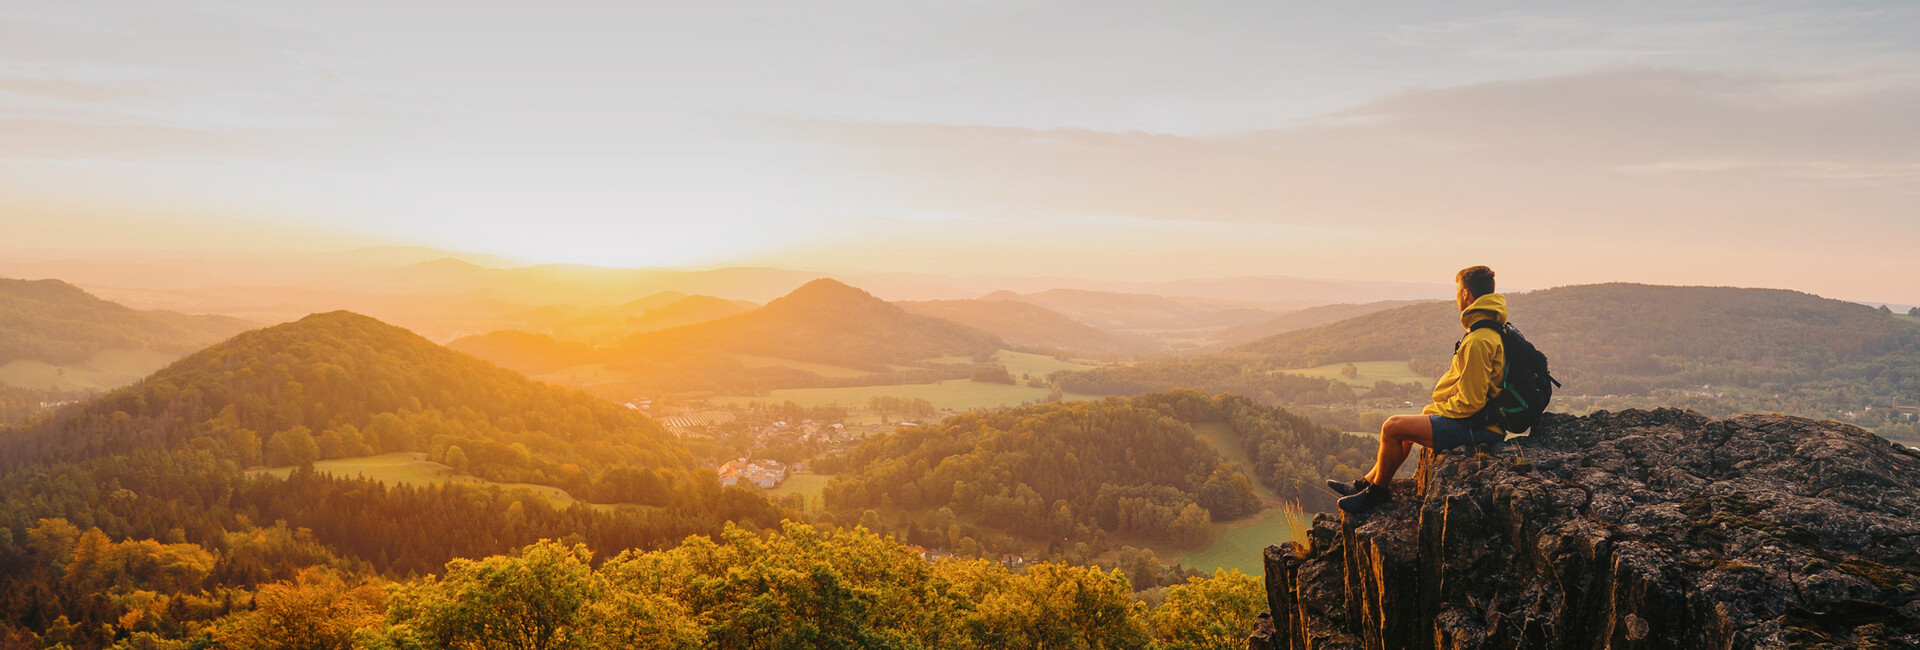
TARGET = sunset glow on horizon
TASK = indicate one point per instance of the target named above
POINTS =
(1767, 144)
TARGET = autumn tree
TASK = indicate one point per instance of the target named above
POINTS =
(1212, 613)
(531, 600)
(318, 610)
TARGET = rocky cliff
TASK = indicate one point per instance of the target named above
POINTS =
(1639, 529)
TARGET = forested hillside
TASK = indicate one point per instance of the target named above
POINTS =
(1073, 479)
(1305, 318)
(135, 512)
(56, 322)
(525, 351)
(341, 384)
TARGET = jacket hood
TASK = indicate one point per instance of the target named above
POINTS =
(1492, 306)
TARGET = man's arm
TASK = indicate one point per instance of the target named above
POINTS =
(1476, 374)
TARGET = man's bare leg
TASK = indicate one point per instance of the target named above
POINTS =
(1398, 435)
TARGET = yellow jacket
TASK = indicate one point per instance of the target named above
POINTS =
(1479, 365)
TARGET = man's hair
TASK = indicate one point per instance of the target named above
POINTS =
(1477, 279)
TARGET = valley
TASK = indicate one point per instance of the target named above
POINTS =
(981, 441)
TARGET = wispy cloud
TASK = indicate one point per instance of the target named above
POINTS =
(1473, 150)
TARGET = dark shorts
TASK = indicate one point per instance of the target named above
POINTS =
(1449, 433)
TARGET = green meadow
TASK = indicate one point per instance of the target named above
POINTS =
(955, 394)
(413, 468)
(824, 370)
(805, 484)
(1238, 544)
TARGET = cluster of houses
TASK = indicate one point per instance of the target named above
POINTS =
(1904, 413)
(803, 432)
(764, 473)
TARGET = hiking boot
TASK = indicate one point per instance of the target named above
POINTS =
(1347, 488)
(1367, 499)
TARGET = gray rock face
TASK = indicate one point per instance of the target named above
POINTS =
(1639, 529)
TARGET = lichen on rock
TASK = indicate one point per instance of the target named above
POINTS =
(1638, 529)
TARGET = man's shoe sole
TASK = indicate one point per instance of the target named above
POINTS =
(1336, 493)
(1343, 507)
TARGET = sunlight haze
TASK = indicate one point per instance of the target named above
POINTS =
(1699, 143)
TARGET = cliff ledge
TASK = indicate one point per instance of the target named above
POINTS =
(1638, 529)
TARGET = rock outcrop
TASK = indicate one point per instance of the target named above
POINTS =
(1639, 529)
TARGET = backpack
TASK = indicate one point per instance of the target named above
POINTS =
(1525, 388)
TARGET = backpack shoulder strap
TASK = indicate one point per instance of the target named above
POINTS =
(1477, 326)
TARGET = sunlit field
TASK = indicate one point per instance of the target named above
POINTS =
(1238, 544)
(952, 394)
(824, 370)
(1366, 373)
(413, 468)
(1023, 363)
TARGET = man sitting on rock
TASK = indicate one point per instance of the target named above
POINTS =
(1453, 419)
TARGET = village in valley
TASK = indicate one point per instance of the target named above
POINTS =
(768, 444)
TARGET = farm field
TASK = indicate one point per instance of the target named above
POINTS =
(105, 370)
(1238, 544)
(954, 394)
(697, 421)
(806, 484)
(824, 370)
(1018, 363)
(413, 468)
(1368, 372)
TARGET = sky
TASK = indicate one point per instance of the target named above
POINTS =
(1750, 144)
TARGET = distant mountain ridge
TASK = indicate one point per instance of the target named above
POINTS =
(56, 322)
(1123, 312)
(824, 321)
(1027, 325)
(1305, 318)
(1622, 338)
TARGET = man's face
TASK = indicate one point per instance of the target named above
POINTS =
(1462, 297)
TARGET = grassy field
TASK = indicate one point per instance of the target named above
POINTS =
(413, 468)
(1037, 365)
(1220, 436)
(1238, 544)
(1368, 372)
(106, 370)
(806, 484)
(955, 394)
(824, 370)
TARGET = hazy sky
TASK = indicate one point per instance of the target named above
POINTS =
(1764, 144)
